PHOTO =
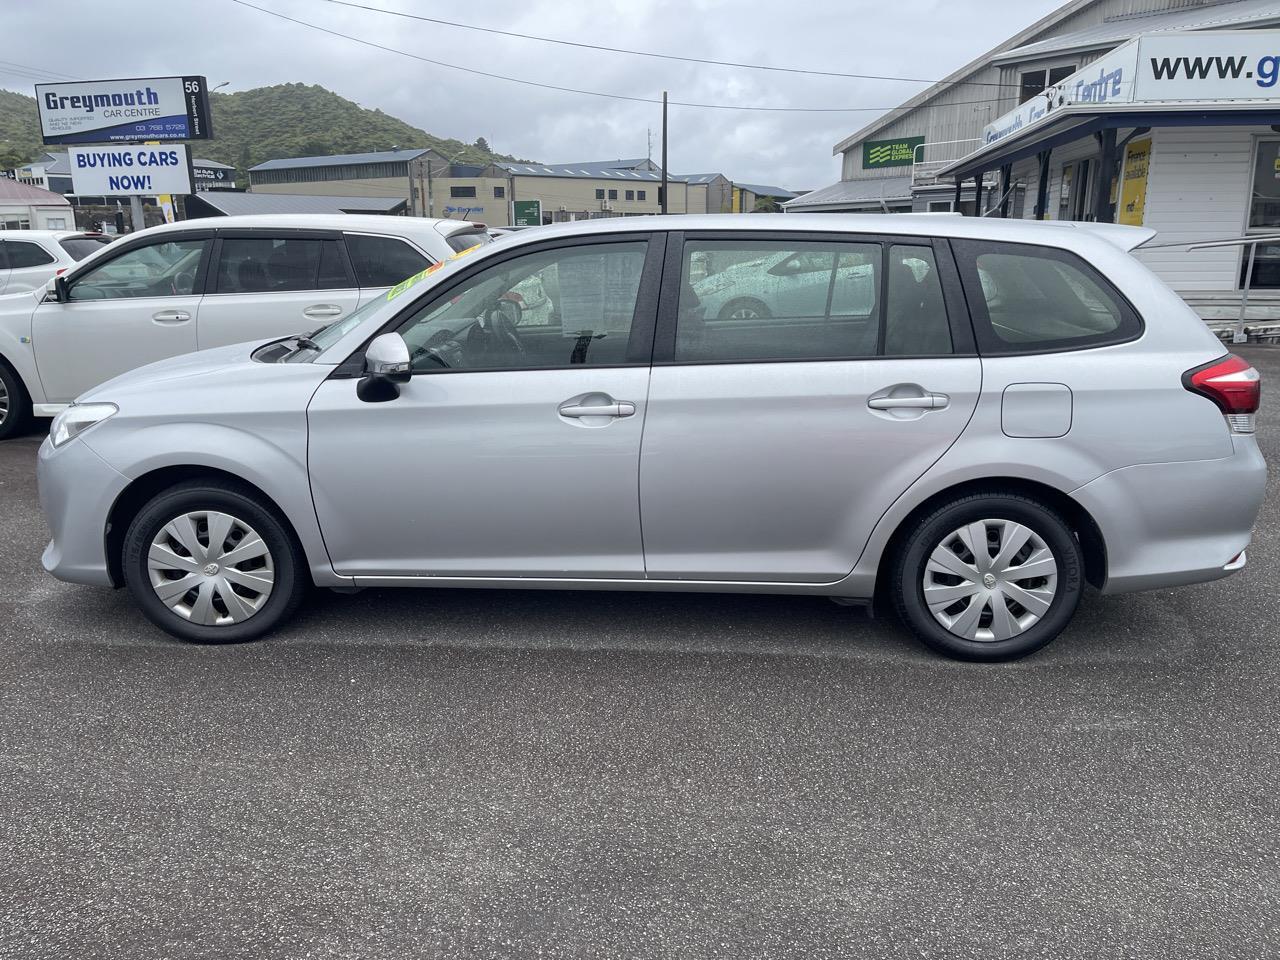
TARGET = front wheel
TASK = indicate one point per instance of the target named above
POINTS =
(988, 577)
(209, 563)
(15, 405)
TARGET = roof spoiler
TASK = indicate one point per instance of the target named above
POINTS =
(1121, 235)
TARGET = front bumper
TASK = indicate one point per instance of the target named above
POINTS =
(1169, 524)
(77, 490)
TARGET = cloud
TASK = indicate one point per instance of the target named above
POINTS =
(226, 41)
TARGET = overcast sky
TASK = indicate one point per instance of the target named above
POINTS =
(225, 41)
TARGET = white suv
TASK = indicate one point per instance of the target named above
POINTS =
(28, 258)
(197, 284)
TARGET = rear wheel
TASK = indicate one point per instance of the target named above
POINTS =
(744, 308)
(15, 405)
(989, 577)
(209, 563)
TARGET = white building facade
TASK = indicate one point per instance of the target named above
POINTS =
(1159, 113)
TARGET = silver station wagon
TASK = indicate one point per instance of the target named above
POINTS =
(964, 420)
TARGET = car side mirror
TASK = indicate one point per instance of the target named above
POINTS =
(55, 289)
(386, 365)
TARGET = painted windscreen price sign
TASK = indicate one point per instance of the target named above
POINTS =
(108, 111)
(130, 171)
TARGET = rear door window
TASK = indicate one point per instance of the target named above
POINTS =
(280, 265)
(1031, 299)
(23, 253)
(383, 261)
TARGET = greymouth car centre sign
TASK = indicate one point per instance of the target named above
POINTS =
(104, 111)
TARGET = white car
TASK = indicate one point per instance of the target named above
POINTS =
(28, 258)
(197, 284)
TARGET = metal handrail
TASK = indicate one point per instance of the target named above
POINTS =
(1238, 335)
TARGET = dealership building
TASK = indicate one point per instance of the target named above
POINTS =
(1159, 113)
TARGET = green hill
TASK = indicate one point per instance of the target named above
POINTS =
(250, 126)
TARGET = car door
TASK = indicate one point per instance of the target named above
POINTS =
(273, 283)
(774, 444)
(131, 307)
(513, 450)
(30, 265)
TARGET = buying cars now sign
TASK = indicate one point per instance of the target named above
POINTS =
(890, 153)
(105, 111)
(129, 171)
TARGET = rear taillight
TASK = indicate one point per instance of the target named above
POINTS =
(1233, 384)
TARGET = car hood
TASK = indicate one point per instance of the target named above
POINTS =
(210, 380)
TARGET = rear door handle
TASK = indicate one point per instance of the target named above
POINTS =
(619, 408)
(319, 311)
(929, 401)
(171, 316)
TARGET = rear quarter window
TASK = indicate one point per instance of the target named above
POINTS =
(1029, 299)
(465, 240)
(80, 247)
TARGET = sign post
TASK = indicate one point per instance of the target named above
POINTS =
(526, 213)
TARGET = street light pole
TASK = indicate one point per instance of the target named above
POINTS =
(664, 151)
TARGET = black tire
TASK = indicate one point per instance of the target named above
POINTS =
(292, 579)
(17, 417)
(929, 532)
(749, 303)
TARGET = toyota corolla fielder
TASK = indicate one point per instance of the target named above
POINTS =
(970, 421)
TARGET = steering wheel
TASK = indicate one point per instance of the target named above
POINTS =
(184, 281)
(502, 329)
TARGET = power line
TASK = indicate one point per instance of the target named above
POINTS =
(589, 93)
(42, 72)
(650, 53)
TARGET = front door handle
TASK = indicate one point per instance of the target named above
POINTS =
(928, 401)
(171, 316)
(321, 311)
(619, 408)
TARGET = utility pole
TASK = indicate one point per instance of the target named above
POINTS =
(664, 151)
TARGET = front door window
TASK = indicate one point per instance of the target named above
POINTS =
(159, 270)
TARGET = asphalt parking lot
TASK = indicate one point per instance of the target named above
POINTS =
(502, 774)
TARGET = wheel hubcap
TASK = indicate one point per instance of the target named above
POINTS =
(990, 580)
(210, 568)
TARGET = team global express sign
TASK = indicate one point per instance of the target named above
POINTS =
(142, 171)
(890, 153)
(103, 111)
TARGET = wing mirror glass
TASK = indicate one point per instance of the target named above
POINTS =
(386, 365)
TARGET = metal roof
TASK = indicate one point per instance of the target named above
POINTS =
(1116, 30)
(343, 159)
(866, 190)
(764, 190)
(11, 191)
(701, 177)
(232, 203)
(606, 170)
(197, 162)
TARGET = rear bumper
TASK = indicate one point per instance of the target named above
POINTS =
(1169, 524)
(77, 489)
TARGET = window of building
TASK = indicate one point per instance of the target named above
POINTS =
(1073, 191)
(1033, 82)
(23, 254)
(15, 223)
(640, 195)
(940, 206)
(277, 265)
(1264, 217)
(383, 261)
(556, 308)
(56, 223)
(613, 194)
(499, 193)
(631, 194)
(462, 193)
(1037, 298)
(600, 194)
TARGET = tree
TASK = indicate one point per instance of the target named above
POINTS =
(482, 145)
(766, 205)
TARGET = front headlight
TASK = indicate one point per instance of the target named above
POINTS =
(78, 418)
